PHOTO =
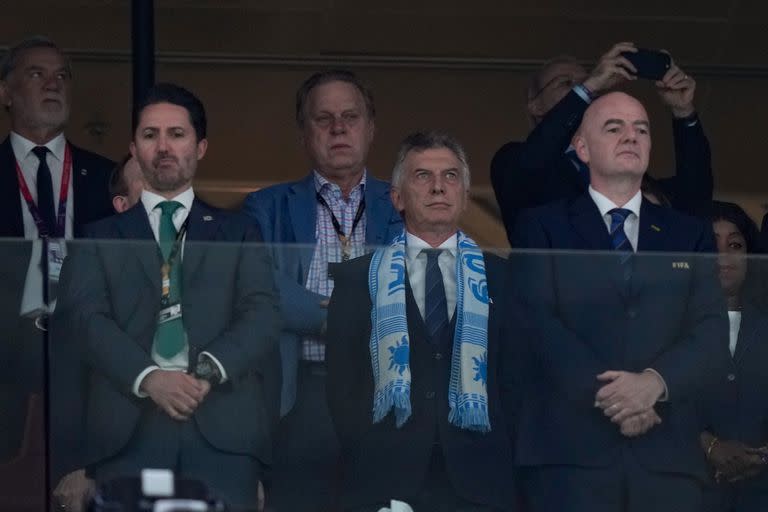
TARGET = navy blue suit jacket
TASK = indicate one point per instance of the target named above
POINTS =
(287, 216)
(110, 289)
(537, 171)
(585, 318)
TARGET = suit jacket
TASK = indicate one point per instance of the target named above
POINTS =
(381, 461)
(537, 171)
(229, 304)
(585, 318)
(734, 403)
(287, 216)
(19, 343)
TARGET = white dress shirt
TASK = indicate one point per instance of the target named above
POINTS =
(32, 299)
(734, 321)
(416, 265)
(632, 222)
(180, 361)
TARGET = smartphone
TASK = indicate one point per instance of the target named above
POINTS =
(650, 64)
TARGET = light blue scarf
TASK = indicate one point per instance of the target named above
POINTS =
(390, 345)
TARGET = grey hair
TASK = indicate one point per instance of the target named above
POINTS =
(422, 141)
(12, 56)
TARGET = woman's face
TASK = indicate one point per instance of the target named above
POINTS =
(732, 259)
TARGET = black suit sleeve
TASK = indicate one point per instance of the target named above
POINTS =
(530, 174)
(690, 190)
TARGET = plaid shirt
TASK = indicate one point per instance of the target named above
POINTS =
(328, 247)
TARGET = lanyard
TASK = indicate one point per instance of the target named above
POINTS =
(61, 217)
(344, 239)
(165, 269)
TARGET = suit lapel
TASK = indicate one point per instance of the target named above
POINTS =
(378, 206)
(202, 225)
(134, 225)
(588, 224)
(10, 200)
(302, 208)
(652, 236)
(747, 332)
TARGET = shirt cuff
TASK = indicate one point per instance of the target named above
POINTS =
(583, 93)
(665, 395)
(137, 383)
(690, 121)
(218, 364)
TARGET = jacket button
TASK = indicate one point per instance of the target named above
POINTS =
(631, 313)
(731, 377)
(438, 356)
(430, 395)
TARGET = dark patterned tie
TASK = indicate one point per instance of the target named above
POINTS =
(435, 305)
(45, 191)
(619, 240)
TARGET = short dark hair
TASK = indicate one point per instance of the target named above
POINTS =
(424, 140)
(175, 95)
(12, 56)
(324, 77)
(117, 184)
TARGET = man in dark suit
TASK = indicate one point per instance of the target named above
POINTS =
(177, 340)
(66, 189)
(544, 167)
(423, 444)
(619, 345)
(329, 216)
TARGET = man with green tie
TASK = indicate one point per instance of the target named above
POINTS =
(177, 333)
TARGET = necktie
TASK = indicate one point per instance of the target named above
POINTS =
(45, 192)
(169, 339)
(619, 240)
(435, 306)
(581, 167)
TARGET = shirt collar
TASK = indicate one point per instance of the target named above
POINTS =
(321, 182)
(605, 205)
(150, 200)
(414, 245)
(23, 146)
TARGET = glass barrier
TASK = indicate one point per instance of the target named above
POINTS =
(519, 378)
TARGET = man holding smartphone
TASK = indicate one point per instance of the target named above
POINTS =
(545, 167)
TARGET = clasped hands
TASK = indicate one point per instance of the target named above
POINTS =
(176, 393)
(628, 399)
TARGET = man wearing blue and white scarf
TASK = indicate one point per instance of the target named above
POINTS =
(418, 371)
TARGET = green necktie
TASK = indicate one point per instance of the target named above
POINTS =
(169, 339)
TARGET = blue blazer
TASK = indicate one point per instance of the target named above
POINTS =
(586, 317)
(287, 216)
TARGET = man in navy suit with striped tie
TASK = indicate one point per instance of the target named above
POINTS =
(618, 344)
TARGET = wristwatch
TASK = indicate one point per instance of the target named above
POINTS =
(206, 369)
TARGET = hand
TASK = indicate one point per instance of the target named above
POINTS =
(640, 423)
(734, 459)
(676, 90)
(627, 393)
(73, 491)
(176, 393)
(612, 69)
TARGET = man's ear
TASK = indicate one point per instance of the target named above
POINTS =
(5, 97)
(580, 145)
(535, 109)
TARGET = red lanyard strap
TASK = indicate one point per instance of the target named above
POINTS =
(61, 216)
